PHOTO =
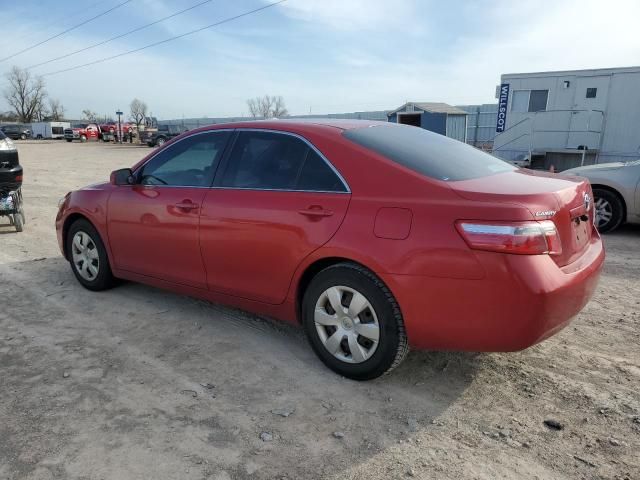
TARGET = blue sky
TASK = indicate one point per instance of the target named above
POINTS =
(322, 56)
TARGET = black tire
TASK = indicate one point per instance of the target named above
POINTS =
(83, 138)
(611, 203)
(23, 137)
(104, 278)
(161, 141)
(39, 137)
(69, 140)
(392, 346)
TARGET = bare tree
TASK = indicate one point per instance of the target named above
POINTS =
(278, 110)
(267, 107)
(42, 112)
(89, 115)
(26, 94)
(56, 110)
(138, 112)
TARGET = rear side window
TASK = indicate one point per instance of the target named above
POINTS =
(276, 161)
(428, 153)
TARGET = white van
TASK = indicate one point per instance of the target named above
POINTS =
(42, 130)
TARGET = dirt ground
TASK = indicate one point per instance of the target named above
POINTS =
(138, 383)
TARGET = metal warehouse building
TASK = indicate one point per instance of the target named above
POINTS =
(481, 124)
(434, 116)
(565, 118)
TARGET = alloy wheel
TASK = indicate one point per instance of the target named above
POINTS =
(604, 212)
(85, 256)
(347, 324)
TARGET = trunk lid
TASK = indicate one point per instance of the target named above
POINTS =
(567, 201)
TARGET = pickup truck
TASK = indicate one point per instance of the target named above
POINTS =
(163, 134)
(16, 132)
(82, 132)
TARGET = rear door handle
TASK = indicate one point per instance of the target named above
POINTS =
(186, 205)
(315, 211)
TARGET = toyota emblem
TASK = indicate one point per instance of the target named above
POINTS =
(587, 201)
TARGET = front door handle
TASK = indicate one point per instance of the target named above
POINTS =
(315, 211)
(186, 205)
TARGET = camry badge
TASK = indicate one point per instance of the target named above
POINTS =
(546, 213)
(587, 201)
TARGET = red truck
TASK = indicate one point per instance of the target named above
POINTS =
(110, 129)
(93, 131)
(82, 132)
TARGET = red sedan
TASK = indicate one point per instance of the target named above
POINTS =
(374, 236)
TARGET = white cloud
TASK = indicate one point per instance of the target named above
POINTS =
(353, 15)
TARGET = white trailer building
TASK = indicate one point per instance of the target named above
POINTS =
(41, 130)
(569, 117)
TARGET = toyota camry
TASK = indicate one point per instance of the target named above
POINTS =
(375, 237)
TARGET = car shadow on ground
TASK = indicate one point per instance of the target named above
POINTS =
(143, 375)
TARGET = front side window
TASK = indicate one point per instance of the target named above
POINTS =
(188, 163)
(275, 161)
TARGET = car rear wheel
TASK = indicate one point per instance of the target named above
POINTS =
(88, 257)
(608, 209)
(68, 140)
(353, 322)
(23, 136)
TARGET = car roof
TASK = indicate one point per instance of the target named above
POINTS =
(296, 124)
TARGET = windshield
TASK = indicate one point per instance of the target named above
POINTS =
(428, 153)
(80, 125)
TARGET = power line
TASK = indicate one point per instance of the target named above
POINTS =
(226, 20)
(119, 36)
(64, 31)
(64, 16)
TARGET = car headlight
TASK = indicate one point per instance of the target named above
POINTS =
(7, 145)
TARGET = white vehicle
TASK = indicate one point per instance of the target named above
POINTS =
(41, 130)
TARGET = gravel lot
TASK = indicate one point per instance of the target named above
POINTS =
(137, 383)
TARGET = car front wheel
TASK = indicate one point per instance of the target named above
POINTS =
(353, 322)
(608, 209)
(88, 257)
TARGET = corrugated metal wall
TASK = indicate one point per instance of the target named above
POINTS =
(481, 123)
(457, 127)
(434, 122)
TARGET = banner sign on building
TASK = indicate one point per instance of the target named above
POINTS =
(503, 100)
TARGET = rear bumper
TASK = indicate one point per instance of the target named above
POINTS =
(522, 300)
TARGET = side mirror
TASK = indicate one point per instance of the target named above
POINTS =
(124, 176)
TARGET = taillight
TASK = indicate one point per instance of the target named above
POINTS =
(522, 238)
(18, 178)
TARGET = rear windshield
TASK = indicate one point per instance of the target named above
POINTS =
(428, 153)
